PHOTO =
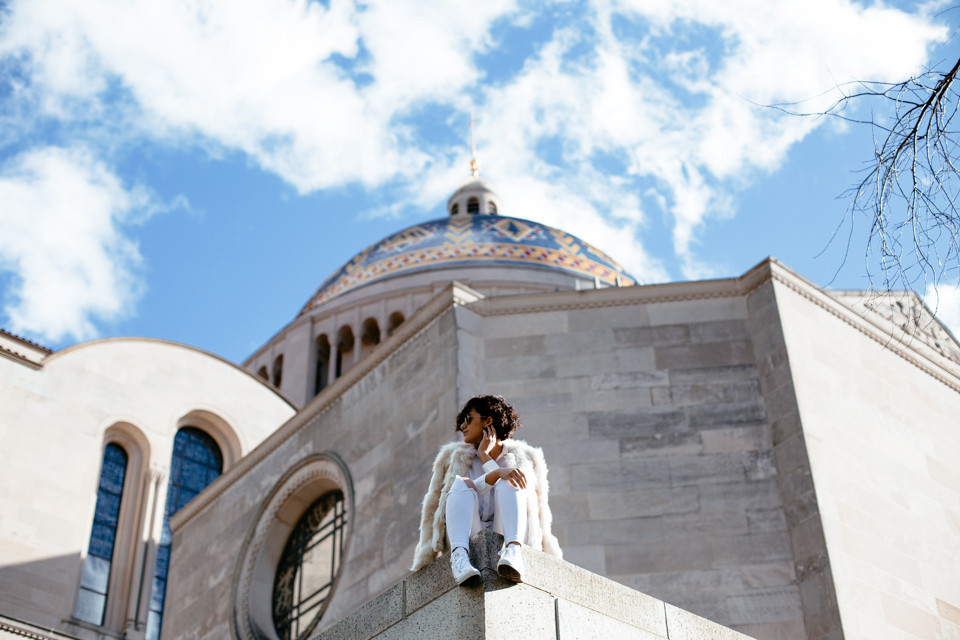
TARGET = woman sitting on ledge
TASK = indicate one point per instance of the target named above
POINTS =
(488, 481)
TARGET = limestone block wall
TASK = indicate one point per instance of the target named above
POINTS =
(741, 449)
(651, 413)
(883, 440)
(385, 420)
(801, 509)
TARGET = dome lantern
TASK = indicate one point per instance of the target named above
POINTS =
(474, 195)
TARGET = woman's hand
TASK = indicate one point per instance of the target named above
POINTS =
(487, 444)
(512, 475)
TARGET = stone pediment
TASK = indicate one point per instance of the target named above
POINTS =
(909, 321)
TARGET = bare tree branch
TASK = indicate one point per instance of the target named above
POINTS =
(909, 189)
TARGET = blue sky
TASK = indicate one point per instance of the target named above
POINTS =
(194, 170)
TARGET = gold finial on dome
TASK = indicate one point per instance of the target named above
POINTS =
(474, 195)
(474, 160)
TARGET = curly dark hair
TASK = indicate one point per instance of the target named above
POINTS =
(505, 418)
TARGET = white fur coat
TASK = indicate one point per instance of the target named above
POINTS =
(455, 459)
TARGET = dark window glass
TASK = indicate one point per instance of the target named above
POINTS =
(473, 205)
(308, 567)
(321, 380)
(396, 319)
(196, 462)
(95, 581)
(278, 371)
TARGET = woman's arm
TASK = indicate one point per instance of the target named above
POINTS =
(488, 449)
(512, 475)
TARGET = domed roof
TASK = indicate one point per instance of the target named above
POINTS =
(471, 240)
(471, 183)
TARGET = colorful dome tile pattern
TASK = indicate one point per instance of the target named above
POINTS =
(471, 240)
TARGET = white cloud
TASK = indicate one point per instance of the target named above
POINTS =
(262, 77)
(324, 94)
(60, 235)
(259, 76)
(772, 52)
(697, 145)
(944, 301)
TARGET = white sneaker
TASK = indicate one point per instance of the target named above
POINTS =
(510, 565)
(461, 567)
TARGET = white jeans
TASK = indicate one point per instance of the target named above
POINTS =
(463, 513)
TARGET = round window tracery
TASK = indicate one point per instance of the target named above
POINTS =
(309, 566)
(291, 560)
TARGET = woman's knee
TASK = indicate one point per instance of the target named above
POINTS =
(460, 484)
(505, 488)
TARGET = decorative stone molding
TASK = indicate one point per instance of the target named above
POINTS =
(256, 568)
(22, 350)
(905, 311)
(125, 566)
(222, 432)
(157, 476)
(17, 631)
(18, 357)
(626, 296)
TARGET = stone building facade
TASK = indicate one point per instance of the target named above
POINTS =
(59, 413)
(771, 456)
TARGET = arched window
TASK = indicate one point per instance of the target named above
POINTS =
(278, 371)
(370, 335)
(492, 207)
(309, 566)
(345, 342)
(473, 205)
(290, 561)
(263, 373)
(454, 209)
(196, 462)
(95, 581)
(396, 319)
(322, 378)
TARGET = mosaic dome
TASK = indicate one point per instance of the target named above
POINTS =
(472, 240)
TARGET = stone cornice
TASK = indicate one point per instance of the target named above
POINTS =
(17, 631)
(18, 357)
(21, 350)
(15, 627)
(623, 296)
(455, 294)
(26, 342)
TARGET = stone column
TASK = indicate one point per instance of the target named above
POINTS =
(136, 624)
(332, 365)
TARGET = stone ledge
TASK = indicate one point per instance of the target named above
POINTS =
(556, 601)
